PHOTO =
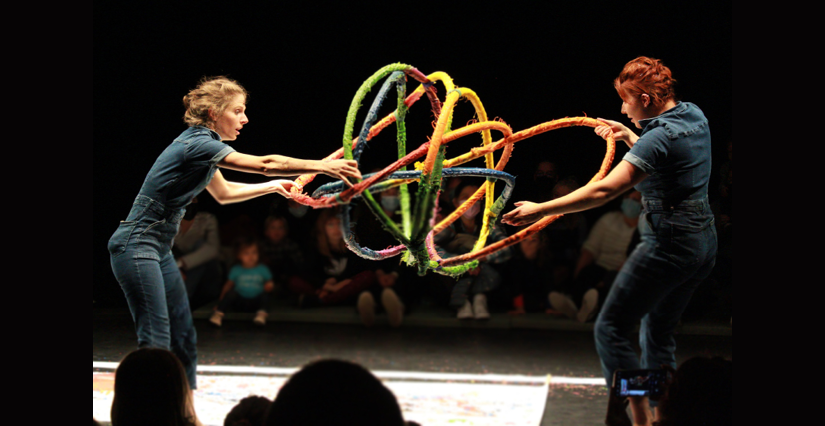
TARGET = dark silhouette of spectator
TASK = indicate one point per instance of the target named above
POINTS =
(248, 286)
(447, 194)
(529, 276)
(565, 237)
(300, 219)
(197, 252)
(336, 275)
(151, 388)
(279, 251)
(699, 392)
(545, 178)
(602, 256)
(250, 411)
(334, 393)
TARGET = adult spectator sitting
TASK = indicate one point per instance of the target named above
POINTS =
(284, 257)
(250, 411)
(602, 256)
(398, 285)
(469, 295)
(151, 388)
(565, 237)
(529, 276)
(347, 393)
(336, 275)
(197, 252)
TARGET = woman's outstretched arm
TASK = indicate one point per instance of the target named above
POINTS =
(279, 165)
(226, 192)
(617, 182)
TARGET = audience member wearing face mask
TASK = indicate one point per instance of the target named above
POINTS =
(471, 295)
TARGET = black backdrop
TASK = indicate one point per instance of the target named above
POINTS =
(303, 62)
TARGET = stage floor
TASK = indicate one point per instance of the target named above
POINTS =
(469, 348)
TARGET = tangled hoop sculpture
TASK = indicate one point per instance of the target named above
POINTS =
(417, 221)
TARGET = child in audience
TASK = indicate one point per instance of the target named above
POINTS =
(248, 285)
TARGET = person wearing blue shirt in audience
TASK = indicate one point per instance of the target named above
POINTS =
(248, 286)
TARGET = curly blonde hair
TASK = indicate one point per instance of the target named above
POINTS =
(211, 94)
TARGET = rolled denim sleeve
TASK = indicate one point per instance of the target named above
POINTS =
(649, 152)
(207, 150)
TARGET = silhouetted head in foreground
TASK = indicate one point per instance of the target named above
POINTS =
(701, 394)
(332, 393)
(151, 388)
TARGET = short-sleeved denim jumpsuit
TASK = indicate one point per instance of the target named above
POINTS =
(141, 248)
(678, 242)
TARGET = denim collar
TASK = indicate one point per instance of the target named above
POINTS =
(199, 130)
(680, 107)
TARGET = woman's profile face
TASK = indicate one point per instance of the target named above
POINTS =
(633, 108)
(229, 124)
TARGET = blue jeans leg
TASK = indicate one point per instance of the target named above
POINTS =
(652, 289)
(159, 305)
(656, 336)
(182, 328)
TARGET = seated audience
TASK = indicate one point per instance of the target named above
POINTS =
(539, 186)
(151, 388)
(250, 411)
(565, 237)
(197, 252)
(529, 276)
(336, 275)
(602, 256)
(469, 295)
(395, 289)
(284, 257)
(248, 286)
(334, 393)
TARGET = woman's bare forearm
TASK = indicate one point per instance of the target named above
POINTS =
(279, 165)
(226, 192)
(623, 177)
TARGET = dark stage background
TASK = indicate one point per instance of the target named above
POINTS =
(302, 63)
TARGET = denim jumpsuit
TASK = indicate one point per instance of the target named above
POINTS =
(140, 249)
(678, 242)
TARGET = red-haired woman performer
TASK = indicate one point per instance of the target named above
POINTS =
(670, 164)
(140, 248)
